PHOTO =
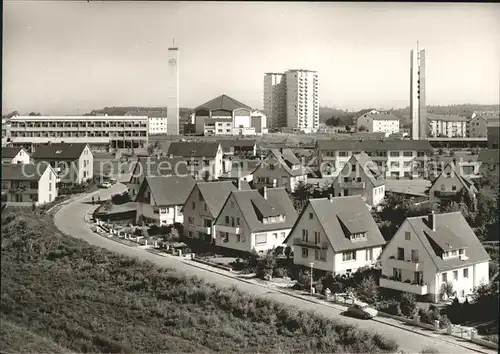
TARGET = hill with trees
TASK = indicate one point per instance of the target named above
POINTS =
(61, 294)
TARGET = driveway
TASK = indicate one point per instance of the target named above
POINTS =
(70, 220)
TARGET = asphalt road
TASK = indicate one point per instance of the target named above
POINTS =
(70, 220)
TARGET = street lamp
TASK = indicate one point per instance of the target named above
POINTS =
(311, 264)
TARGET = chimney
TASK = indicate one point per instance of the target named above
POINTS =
(264, 192)
(330, 198)
(238, 184)
(281, 150)
(431, 220)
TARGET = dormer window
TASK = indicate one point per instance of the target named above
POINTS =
(360, 236)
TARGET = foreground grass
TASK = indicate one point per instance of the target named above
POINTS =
(59, 291)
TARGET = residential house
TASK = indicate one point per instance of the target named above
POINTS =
(280, 168)
(428, 251)
(160, 199)
(377, 121)
(449, 185)
(360, 176)
(150, 166)
(28, 183)
(447, 125)
(493, 129)
(73, 162)
(239, 146)
(202, 207)
(15, 155)
(338, 235)
(205, 157)
(253, 219)
(477, 126)
(397, 158)
(467, 165)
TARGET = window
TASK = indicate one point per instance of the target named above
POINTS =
(407, 153)
(466, 273)
(444, 277)
(455, 275)
(401, 254)
(34, 185)
(310, 216)
(407, 235)
(320, 255)
(305, 235)
(194, 205)
(224, 236)
(191, 220)
(369, 254)
(414, 256)
(353, 168)
(454, 253)
(50, 187)
(205, 207)
(200, 197)
(238, 238)
(348, 256)
(237, 221)
(342, 153)
(461, 252)
(261, 239)
(453, 188)
(316, 237)
(233, 223)
(275, 234)
(394, 154)
(190, 234)
(305, 253)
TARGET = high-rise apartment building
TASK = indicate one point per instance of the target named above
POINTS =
(275, 99)
(418, 113)
(173, 92)
(291, 100)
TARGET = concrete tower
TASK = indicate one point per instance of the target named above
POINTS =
(275, 99)
(173, 92)
(418, 112)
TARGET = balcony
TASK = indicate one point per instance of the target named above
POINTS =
(406, 265)
(297, 241)
(203, 229)
(235, 230)
(353, 185)
(402, 286)
(445, 194)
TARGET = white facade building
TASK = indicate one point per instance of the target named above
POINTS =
(379, 122)
(173, 92)
(447, 125)
(302, 101)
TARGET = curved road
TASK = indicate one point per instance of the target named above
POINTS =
(70, 220)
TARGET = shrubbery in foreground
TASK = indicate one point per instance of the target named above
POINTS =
(87, 299)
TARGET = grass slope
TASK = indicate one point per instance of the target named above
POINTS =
(83, 298)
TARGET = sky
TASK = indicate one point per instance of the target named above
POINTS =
(72, 57)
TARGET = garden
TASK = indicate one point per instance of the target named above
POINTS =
(63, 295)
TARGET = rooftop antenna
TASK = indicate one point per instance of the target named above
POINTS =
(173, 42)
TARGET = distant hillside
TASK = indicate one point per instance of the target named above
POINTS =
(120, 111)
(329, 112)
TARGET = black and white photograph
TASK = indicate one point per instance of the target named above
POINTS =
(250, 177)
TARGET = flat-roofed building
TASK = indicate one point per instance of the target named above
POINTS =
(447, 125)
(97, 131)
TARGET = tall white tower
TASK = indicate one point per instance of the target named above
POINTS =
(302, 100)
(173, 92)
(418, 111)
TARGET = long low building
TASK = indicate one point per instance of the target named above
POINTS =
(97, 131)
(395, 158)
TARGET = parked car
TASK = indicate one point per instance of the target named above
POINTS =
(104, 185)
(361, 310)
(112, 180)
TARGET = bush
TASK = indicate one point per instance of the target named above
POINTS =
(408, 304)
(319, 288)
(304, 279)
(333, 283)
(280, 273)
(120, 198)
(367, 290)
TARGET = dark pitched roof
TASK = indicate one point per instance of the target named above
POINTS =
(23, 172)
(223, 102)
(10, 152)
(169, 190)
(215, 194)
(446, 117)
(148, 113)
(237, 143)
(193, 149)
(150, 166)
(369, 167)
(253, 207)
(371, 145)
(451, 228)
(466, 183)
(287, 160)
(341, 216)
(63, 151)
(380, 116)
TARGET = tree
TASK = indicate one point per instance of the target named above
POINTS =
(34, 114)
(447, 288)
(288, 252)
(367, 290)
(408, 304)
(303, 191)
